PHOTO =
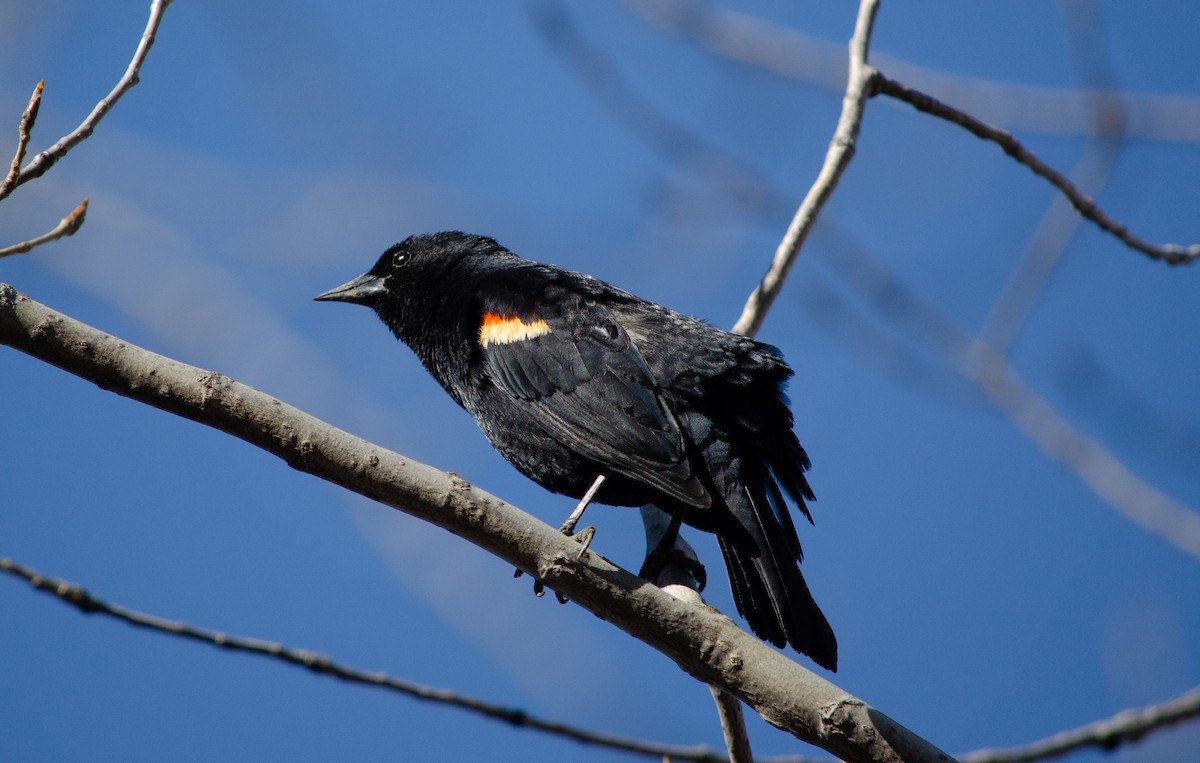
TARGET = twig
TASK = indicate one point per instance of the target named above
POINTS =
(790, 53)
(46, 159)
(1127, 726)
(66, 227)
(84, 601)
(760, 43)
(705, 644)
(733, 726)
(675, 142)
(24, 131)
(1092, 463)
(1050, 239)
(1124, 727)
(1045, 249)
(1167, 437)
(1096, 466)
(1172, 254)
(859, 89)
(682, 576)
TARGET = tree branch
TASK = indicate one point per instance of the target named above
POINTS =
(1172, 254)
(1092, 172)
(703, 643)
(859, 89)
(1124, 727)
(1092, 463)
(790, 53)
(76, 596)
(66, 227)
(46, 159)
(24, 132)
(755, 41)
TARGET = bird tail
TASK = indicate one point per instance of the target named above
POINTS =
(764, 572)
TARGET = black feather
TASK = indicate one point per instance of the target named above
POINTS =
(582, 378)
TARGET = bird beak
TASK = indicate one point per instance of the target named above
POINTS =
(361, 291)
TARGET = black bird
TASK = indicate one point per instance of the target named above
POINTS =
(572, 379)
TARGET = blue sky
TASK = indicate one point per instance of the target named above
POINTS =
(981, 594)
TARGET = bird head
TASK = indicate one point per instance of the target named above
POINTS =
(421, 278)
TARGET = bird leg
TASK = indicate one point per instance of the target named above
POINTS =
(665, 551)
(586, 534)
(584, 538)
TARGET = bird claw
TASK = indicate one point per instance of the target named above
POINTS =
(583, 538)
(539, 588)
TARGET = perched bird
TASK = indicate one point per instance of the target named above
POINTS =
(581, 385)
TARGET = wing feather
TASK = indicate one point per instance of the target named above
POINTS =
(586, 384)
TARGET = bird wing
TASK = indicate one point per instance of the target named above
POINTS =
(564, 358)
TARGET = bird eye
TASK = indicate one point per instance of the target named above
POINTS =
(399, 258)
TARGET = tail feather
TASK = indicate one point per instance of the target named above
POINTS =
(751, 597)
(751, 472)
(764, 573)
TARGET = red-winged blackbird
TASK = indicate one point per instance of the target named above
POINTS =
(571, 378)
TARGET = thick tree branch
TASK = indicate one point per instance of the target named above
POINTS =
(46, 159)
(859, 89)
(703, 643)
(66, 227)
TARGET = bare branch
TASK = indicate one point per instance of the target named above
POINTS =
(66, 227)
(1096, 466)
(675, 142)
(24, 131)
(1045, 248)
(859, 89)
(733, 726)
(1172, 254)
(46, 159)
(1124, 727)
(1091, 173)
(1093, 464)
(81, 599)
(704, 643)
(1168, 437)
(758, 42)
(791, 53)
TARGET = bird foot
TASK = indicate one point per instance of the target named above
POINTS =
(661, 558)
(539, 588)
(583, 538)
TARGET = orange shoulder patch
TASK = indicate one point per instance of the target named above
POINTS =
(506, 329)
